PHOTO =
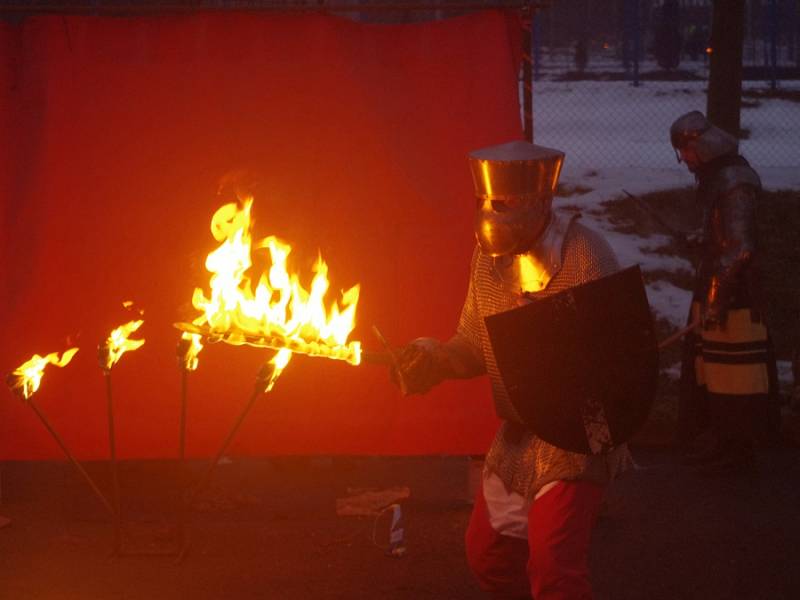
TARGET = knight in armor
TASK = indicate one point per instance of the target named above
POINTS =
(532, 520)
(728, 374)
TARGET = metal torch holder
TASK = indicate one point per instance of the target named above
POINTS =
(262, 385)
(64, 448)
(124, 546)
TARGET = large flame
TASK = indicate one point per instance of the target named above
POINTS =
(26, 378)
(118, 343)
(279, 312)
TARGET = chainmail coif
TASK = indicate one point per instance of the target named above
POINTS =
(523, 461)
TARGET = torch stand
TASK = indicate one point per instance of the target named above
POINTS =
(117, 551)
(262, 385)
(141, 540)
(183, 542)
(71, 458)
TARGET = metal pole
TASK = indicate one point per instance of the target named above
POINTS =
(262, 382)
(773, 43)
(637, 34)
(114, 467)
(261, 386)
(239, 420)
(183, 477)
(678, 335)
(182, 443)
(71, 458)
(537, 48)
(527, 64)
(96, 8)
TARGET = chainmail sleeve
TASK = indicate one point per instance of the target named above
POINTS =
(737, 244)
(464, 348)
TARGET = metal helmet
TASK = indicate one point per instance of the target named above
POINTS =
(709, 140)
(514, 186)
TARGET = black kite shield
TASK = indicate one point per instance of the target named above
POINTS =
(581, 366)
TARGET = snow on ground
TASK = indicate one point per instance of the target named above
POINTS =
(616, 138)
(614, 124)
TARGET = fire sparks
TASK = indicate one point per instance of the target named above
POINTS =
(26, 378)
(279, 313)
(118, 344)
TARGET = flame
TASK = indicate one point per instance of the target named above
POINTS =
(532, 274)
(279, 312)
(279, 362)
(190, 356)
(118, 344)
(26, 378)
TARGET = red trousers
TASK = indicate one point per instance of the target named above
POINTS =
(552, 564)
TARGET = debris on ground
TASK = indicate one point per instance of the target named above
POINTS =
(369, 502)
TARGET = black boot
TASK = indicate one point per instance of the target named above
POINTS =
(736, 457)
(704, 453)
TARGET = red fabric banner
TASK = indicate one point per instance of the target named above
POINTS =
(116, 132)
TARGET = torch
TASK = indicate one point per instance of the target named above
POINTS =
(265, 381)
(108, 353)
(25, 381)
(189, 348)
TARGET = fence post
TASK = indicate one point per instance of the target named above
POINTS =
(632, 36)
(537, 48)
(773, 43)
(725, 75)
(527, 62)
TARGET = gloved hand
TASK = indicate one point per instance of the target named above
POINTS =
(714, 316)
(419, 366)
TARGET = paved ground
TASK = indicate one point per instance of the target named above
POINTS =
(271, 532)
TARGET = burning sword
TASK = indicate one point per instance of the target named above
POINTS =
(271, 309)
(351, 352)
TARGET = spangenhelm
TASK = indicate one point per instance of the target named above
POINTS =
(709, 140)
(514, 186)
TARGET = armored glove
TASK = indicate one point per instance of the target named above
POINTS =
(420, 366)
(714, 312)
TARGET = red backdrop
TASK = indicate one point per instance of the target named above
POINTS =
(115, 133)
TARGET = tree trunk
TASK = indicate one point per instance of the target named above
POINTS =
(725, 75)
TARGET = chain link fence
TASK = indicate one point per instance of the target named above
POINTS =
(610, 76)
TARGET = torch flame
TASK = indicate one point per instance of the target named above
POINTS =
(26, 378)
(118, 344)
(279, 362)
(279, 312)
(189, 359)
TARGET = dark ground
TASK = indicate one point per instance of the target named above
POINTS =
(666, 532)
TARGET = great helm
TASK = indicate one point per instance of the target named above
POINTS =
(709, 140)
(514, 186)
